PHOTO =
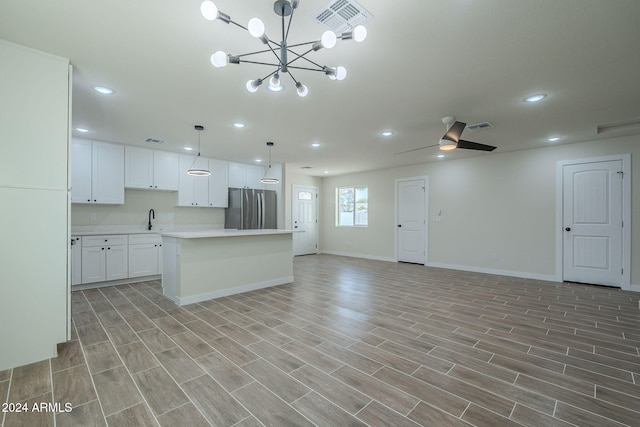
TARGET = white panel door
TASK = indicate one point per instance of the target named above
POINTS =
(592, 219)
(138, 167)
(117, 262)
(93, 264)
(107, 173)
(411, 221)
(305, 219)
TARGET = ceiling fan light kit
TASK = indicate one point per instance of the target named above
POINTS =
(282, 50)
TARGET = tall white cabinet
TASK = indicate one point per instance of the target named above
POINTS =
(35, 292)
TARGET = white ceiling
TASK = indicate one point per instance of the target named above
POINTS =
(422, 60)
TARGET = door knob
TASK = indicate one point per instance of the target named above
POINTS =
(567, 229)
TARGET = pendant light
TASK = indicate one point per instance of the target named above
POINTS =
(193, 171)
(269, 178)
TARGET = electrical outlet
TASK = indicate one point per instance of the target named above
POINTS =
(92, 216)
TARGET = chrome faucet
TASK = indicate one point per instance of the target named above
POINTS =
(152, 214)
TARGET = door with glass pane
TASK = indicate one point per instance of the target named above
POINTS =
(304, 218)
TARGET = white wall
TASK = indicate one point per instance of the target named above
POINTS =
(135, 211)
(34, 225)
(502, 203)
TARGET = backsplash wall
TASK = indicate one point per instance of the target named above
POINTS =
(135, 212)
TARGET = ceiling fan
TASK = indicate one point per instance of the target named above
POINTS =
(451, 139)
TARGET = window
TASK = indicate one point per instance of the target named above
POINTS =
(352, 206)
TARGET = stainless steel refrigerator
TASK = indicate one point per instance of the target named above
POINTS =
(251, 209)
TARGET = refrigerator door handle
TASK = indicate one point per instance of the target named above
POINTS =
(245, 216)
(262, 210)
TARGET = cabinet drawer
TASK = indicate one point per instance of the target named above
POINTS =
(110, 239)
(137, 239)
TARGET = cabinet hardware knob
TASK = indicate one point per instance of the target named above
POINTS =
(102, 249)
(88, 200)
(567, 229)
(109, 248)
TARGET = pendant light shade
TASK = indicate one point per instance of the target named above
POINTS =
(193, 170)
(269, 177)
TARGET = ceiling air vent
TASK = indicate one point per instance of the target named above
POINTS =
(306, 167)
(154, 141)
(478, 126)
(342, 15)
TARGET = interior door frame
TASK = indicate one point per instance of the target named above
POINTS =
(426, 215)
(626, 213)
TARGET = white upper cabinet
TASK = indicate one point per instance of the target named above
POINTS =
(193, 190)
(151, 169)
(219, 183)
(97, 172)
(242, 175)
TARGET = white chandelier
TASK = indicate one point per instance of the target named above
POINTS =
(281, 51)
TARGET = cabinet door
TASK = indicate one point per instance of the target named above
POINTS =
(201, 190)
(166, 167)
(143, 259)
(186, 189)
(219, 183)
(237, 175)
(117, 262)
(80, 171)
(93, 264)
(138, 167)
(254, 175)
(107, 184)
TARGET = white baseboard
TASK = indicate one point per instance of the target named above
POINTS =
(232, 291)
(634, 288)
(510, 273)
(352, 255)
(127, 281)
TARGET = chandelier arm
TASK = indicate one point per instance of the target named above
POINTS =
(262, 63)
(255, 53)
(286, 36)
(302, 44)
(303, 57)
(307, 69)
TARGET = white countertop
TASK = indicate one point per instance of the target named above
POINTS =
(137, 229)
(198, 234)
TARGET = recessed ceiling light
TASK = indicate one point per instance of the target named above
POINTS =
(258, 160)
(441, 156)
(326, 172)
(103, 90)
(386, 133)
(83, 130)
(188, 148)
(554, 138)
(239, 125)
(315, 145)
(535, 98)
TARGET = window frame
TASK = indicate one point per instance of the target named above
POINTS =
(354, 210)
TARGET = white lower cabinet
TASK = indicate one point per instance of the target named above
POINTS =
(104, 258)
(145, 255)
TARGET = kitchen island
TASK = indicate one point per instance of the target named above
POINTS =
(201, 265)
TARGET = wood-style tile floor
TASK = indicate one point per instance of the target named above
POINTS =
(351, 342)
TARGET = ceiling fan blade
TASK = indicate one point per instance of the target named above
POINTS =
(454, 132)
(416, 149)
(468, 145)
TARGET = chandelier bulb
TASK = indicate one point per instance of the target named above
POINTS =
(359, 33)
(274, 82)
(219, 59)
(302, 90)
(341, 73)
(209, 10)
(328, 39)
(256, 27)
(295, 4)
(252, 85)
